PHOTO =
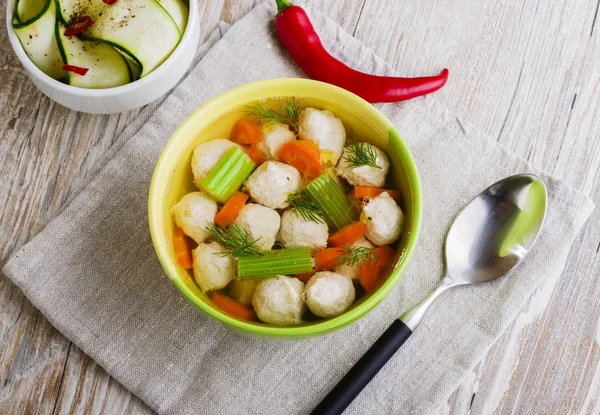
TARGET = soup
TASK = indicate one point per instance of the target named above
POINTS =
(288, 213)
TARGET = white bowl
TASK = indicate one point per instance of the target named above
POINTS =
(121, 98)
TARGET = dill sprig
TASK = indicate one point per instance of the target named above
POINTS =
(352, 255)
(235, 239)
(288, 112)
(360, 154)
(305, 207)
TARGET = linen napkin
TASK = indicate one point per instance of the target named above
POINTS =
(94, 274)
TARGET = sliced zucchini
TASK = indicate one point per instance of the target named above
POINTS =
(107, 68)
(179, 12)
(72, 9)
(27, 11)
(140, 28)
(133, 67)
(39, 42)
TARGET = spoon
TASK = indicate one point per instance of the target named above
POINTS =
(486, 241)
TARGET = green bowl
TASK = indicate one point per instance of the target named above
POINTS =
(173, 178)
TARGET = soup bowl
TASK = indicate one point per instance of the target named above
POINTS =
(173, 179)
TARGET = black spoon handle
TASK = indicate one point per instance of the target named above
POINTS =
(364, 370)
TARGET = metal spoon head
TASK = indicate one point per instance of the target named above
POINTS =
(496, 230)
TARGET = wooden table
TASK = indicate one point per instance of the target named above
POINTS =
(527, 72)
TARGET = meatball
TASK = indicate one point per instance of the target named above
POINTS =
(275, 136)
(297, 232)
(193, 213)
(325, 130)
(212, 270)
(384, 219)
(328, 294)
(262, 224)
(242, 289)
(271, 183)
(207, 155)
(365, 175)
(278, 300)
(353, 272)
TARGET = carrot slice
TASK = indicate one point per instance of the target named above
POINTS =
(361, 192)
(326, 259)
(246, 131)
(230, 306)
(371, 272)
(182, 249)
(304, 277)
(231, 209)
(348, 234)
(255, 154)
(304, 156)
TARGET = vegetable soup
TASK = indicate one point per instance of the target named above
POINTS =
(289, 215)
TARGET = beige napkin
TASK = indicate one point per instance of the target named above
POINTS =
(94, 274)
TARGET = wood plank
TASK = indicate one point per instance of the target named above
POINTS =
(530, 78)
(555, 367)
(345, 13)
(32, 355)
(87, 388)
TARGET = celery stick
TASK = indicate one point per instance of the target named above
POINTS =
(228, 175)
(332, 201)
(276, 262)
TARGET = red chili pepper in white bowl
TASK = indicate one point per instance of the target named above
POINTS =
(75, 69)
(304, 46)
(79, 25)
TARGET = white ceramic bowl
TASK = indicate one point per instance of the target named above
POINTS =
(121, 98)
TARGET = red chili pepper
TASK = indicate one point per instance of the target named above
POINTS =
(75, 69)
(78, 26)
(109, 2)
(304, 46)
